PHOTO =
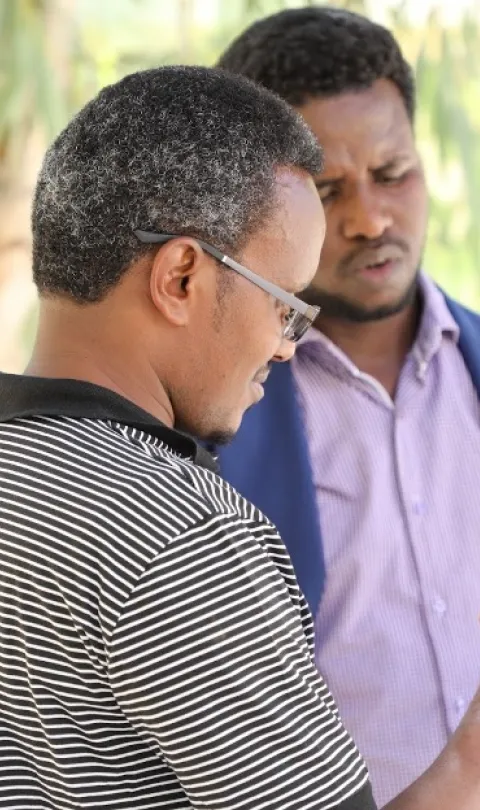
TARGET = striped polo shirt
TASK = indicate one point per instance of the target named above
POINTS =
(156, 651)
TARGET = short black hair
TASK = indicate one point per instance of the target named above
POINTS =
(185, 150)
(321, 51)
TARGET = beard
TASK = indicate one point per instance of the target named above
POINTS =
(218, 438)
(339, 308)
(210, 439)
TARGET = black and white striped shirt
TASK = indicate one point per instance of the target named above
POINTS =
(155, 649)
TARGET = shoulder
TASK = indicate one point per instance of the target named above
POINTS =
(113, 484)
(466, 318)
(107, 502)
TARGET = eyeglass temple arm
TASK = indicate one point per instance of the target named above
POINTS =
(310, 312)
(160, 238)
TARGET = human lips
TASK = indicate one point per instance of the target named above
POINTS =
(261, 376)
(259, 392)
(258, 383)
(373, 262)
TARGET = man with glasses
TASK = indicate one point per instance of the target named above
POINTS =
(156, 651)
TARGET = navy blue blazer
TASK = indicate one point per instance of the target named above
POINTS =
(269, 461)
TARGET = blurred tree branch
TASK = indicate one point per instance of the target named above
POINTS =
(55, 54)
(34, 53)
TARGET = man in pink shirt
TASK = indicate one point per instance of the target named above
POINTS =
(365, 450)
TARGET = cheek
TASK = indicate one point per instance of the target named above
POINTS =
(333, 247)
(250, 340)
(223, 360)
(247, 337)
(418, 216)
(411, 209)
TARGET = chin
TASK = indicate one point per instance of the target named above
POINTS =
(215, 435)
(378, 308)
(225, 433)
(217, 427)
(219, 437)
(207, 435)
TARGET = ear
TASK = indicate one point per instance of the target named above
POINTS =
(175, 277)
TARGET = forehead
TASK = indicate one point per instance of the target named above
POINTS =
(286, 247)
(356, 127)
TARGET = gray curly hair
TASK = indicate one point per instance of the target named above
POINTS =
(185, 150)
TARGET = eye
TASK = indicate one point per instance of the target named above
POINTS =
(390, 178)
(286, 313)
(288, 318)
(328, 193)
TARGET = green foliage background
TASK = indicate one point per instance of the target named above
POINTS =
(55, 54)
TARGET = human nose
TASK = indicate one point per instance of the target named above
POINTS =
(366, 215)
(285, 351)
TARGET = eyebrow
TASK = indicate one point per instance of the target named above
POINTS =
(394, 161)
(328, 182)
(388, 164)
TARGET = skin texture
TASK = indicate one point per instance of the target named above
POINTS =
(163, 337)
(375, 199)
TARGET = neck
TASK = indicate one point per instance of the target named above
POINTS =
(377, 348)
(75, 343)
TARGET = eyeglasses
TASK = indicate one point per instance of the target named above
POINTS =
(299, 316)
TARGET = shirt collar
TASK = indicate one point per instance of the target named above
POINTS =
(436, 322)
(23, 396)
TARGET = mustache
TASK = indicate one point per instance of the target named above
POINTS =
(371, 252)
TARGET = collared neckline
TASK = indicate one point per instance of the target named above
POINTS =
(23, 396)
(436, 321)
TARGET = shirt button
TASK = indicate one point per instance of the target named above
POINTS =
(421, 369)
(460, 705)
(439, 606)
